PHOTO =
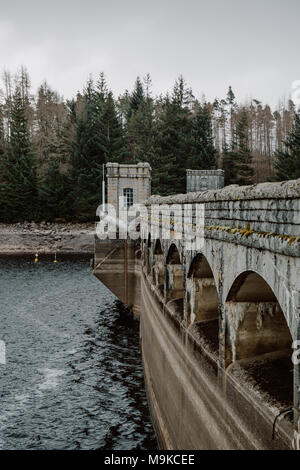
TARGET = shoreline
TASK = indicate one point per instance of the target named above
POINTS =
(47, 238)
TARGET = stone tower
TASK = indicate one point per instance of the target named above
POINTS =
(131, 182)
(203, 180)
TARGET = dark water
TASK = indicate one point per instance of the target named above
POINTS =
(73, 377)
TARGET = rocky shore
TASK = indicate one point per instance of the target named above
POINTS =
(46, 237)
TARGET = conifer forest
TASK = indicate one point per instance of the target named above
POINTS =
(52, 149)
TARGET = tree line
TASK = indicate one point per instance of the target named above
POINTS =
(52, 150)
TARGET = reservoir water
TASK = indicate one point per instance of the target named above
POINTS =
(73, 377)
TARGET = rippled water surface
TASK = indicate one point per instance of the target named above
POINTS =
(73, 377)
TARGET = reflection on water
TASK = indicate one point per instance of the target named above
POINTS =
(73, 377)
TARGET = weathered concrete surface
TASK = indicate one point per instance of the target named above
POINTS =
(46, 238)
(117, 265)
(193, 405)
(134, 177)
(217, 332)
(284, 190)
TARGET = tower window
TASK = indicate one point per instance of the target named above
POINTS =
(128, 197)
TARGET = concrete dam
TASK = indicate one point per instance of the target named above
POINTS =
(219, 317)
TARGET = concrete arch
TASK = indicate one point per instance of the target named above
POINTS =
(209, 269)
(158, 248)
(201, 286)
(268, 279)
(202, 302)
(237, 290)
(173, 256)
(158, 266)
(210, 252)
(174, 280)
(251, 293)
(171, 245)
(258, 341)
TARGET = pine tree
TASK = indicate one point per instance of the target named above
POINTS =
(113, 137)
(114, 140)
(232, 107)
(203, 152)
(237, 163)
(174, 142)
(164, 171)
(287, 161)
(19, 187)
(243, 152)
(50, 120)
(147, 85)
(229, 165)
(101, 88)
(67, 135)
(141, 129)
(54, 193)
(182, 95)
(122, 106)
(137, 98)
(88, 156)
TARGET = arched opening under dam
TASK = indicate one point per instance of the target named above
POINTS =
(202, 302)
(258, 340)
(175, 281)
(158, 267)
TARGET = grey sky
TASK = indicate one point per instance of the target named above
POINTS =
(252, 45)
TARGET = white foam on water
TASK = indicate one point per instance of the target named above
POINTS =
(72, 351)
(51, 378)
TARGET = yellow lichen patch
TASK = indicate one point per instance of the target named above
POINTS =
(246, 232)
(249, 232)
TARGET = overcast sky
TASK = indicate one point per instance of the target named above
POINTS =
(252, 45)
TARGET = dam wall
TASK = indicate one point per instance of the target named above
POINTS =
(219, 318)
